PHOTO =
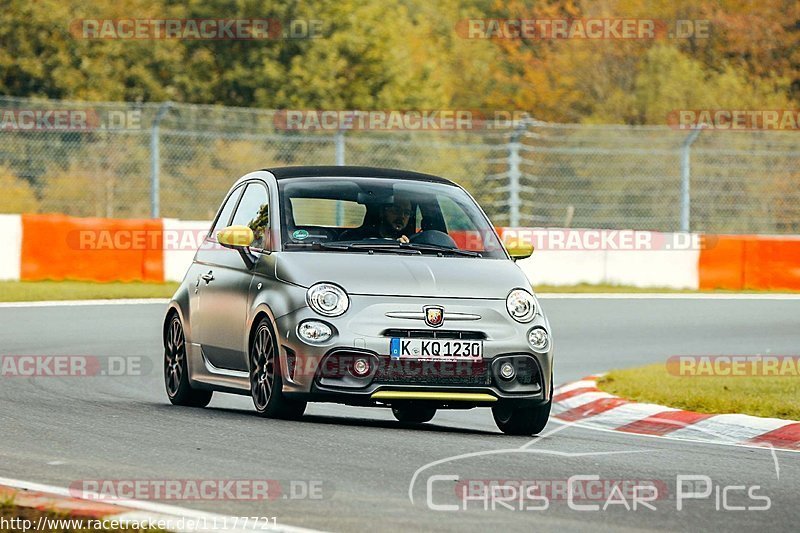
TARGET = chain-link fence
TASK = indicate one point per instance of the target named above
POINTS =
(175, 160)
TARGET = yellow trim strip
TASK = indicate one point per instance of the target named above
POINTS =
(444, 396)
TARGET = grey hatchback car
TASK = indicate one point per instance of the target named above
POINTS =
(361, 286)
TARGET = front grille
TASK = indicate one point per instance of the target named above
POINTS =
(435, 334)
(414, 372)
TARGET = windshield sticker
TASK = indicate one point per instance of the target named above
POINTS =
(299, 235)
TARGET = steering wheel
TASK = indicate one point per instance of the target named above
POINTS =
(434, 237)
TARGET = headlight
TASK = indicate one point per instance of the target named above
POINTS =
(538, 339)
(521, 305)
(327, 299)
(313, 331)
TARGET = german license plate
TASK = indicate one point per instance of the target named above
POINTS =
(435, 349)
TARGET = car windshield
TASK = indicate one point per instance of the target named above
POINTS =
(379, 215)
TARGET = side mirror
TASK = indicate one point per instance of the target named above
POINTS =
(520, 250)
(239, 238)
(236, 237)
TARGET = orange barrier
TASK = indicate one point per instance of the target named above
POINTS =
(751, 262)
(468, 240)
(58, 247)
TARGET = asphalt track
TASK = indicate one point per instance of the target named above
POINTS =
(59, 430)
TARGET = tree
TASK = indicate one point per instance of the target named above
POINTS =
(18, 195)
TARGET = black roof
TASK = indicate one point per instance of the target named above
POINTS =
(352, 171)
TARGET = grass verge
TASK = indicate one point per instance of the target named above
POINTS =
(28, 291)
(769, 396)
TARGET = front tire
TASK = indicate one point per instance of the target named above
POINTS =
(266, 385)
(176, 371)
(413, 414)
(521, 420)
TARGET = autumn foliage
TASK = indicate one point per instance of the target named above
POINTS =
(408, 54)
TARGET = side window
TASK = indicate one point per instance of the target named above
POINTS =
(253, 211)
(454, 216)
(225, 213)
(460, 227)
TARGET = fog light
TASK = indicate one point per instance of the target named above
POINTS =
(361, 367)
(538, 339)
(507, 371)
(314, 332)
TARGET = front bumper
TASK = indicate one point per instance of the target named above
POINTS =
(365, 331)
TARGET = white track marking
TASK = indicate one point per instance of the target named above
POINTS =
(575, 385)
(579, 400)
(588, 426)
(728, 429)
(625, 414)
(731, 428)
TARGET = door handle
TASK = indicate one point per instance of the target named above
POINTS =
(208, 278)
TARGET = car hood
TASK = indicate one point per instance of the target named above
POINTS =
(398, 275)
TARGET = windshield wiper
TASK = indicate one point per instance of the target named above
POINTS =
(387, 246)
(417, 247)
(353, 247)
(440, 249)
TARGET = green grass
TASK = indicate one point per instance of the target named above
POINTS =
(775, 397)
(27, 291)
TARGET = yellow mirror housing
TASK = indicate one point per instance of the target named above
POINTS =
(520, 250)
(517, 245)
(236, 237)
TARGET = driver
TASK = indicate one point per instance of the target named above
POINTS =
(394, 219)
(392, 222)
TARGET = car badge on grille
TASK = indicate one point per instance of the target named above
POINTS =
(434, 315)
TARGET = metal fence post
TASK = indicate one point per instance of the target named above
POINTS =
(339, 140)
(155, 163)
(514, 174)
(686, 178)
(339, 148)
